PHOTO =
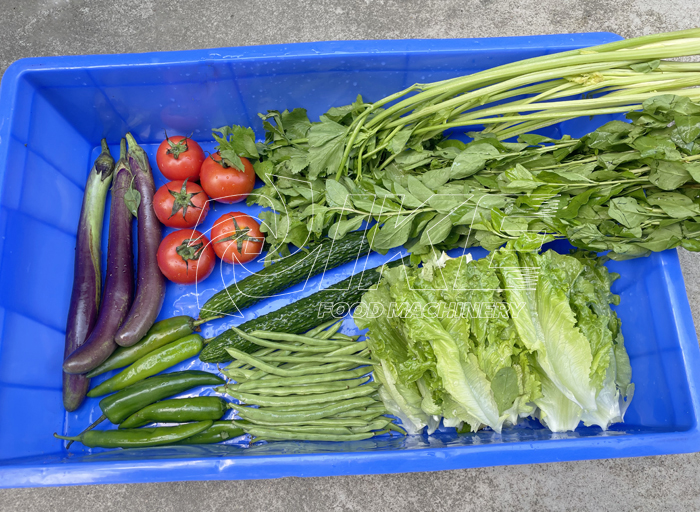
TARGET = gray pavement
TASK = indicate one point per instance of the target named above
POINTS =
(61, 27)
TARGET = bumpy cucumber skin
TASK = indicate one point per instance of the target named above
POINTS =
(295, 318)
(279, 276)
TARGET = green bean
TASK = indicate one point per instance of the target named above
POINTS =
(330, 332)
(366, 417)
(325, 325)
(317, 359)
(261, 352)
(307, 379)
(281, 336)
(322, 411)
(396, 428)
(297, 347)
(277, 435)
(311, 429)
(378, 409)
(313, 389)
(292, 408)
(311, 407)
(324, 422)
(375, 425)
(344, 337)
(269, 368)
(237, 373)
(272, 401)
(348, 350)
(351, 349)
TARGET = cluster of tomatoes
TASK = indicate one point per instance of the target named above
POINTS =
(187, 256)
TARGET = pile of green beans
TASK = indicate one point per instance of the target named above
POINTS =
(311, 387)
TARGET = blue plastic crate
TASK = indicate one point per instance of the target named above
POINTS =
(53, 112)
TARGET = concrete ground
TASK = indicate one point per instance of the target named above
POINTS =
(60, 27)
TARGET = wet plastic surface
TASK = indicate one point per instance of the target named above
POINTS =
(53, 112)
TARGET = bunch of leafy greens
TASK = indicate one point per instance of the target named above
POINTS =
(629, 188)
(513, 335)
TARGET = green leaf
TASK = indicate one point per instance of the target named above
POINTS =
(517, 179)
(656, 147)
(410, 159)
(694, 170)
(405, 198)
(533, 139)
(290, 159)
(232, 159)
(472, 159)
(436, 230)
(608, 135)
(668, 175)
(132, 199)
(611, 160)
(326, 145)
(339, 229)
(394, 233)
(505, 388)
(452, 143)
(688, 127)
(675, 205)
(663, 238)
(627, 211)
(264, 170)
(338, 113)
(235, 140)
(337, 194)
(421, 220)
(296, 123)
(398, 143)
(645, 67)
(436, 178)
(419, 191)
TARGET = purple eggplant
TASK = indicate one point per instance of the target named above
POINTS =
(87, 280)
(150, 283)
(119, 283)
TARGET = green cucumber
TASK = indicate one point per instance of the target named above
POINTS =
(279, 276)
(297, 317)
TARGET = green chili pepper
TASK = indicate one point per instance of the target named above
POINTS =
(150, 364)
(219, 431)
(178, 410)
(138, 437)
(162, 333)
(119, 406)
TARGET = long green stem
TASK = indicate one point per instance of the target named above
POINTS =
(673, 45)
(432, 108)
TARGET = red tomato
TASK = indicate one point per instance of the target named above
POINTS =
(179, 158)
(180, 204)
(186, 257)
(236, 237)
(226, 184)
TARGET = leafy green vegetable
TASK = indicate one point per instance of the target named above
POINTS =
(484, 343)
(604, 192)
(235, 142)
